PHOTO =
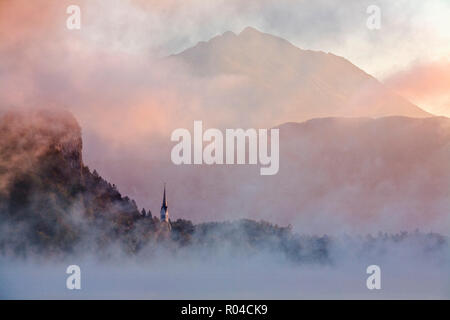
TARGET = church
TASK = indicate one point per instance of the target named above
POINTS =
(164, 213)
(164, 217)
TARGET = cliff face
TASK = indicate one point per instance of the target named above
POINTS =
(47, 194)
(27, 135)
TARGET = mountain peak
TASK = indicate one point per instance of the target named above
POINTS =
(229, 34)
(302, 84)
(250, 30)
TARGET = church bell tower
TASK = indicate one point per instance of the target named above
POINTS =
(164, 208)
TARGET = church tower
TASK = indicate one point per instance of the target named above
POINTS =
(164, 208)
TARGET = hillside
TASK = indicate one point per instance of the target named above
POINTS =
(46, 191)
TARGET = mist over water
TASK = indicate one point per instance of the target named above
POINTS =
(406, 273)
(241, 279)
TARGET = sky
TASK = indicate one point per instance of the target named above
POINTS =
(409, 51)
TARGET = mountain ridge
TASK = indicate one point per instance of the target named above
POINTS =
(300, 84)
(324, 119)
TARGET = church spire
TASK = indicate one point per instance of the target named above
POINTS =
(164, 207)
(164, 202)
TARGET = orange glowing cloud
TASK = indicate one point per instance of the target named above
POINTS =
(428, 85)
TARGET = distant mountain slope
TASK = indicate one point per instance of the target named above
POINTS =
(390, 172)
(284, 83)
(336, 175)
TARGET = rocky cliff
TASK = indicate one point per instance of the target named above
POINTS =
(48, 197)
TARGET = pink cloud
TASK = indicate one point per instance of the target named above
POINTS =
(427, 84)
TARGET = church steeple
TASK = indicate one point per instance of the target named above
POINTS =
(164, 203)
(164, 207)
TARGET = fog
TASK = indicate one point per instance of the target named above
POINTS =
(223, 276)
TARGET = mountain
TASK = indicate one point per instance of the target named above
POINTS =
(390, 173)
(263, 74)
